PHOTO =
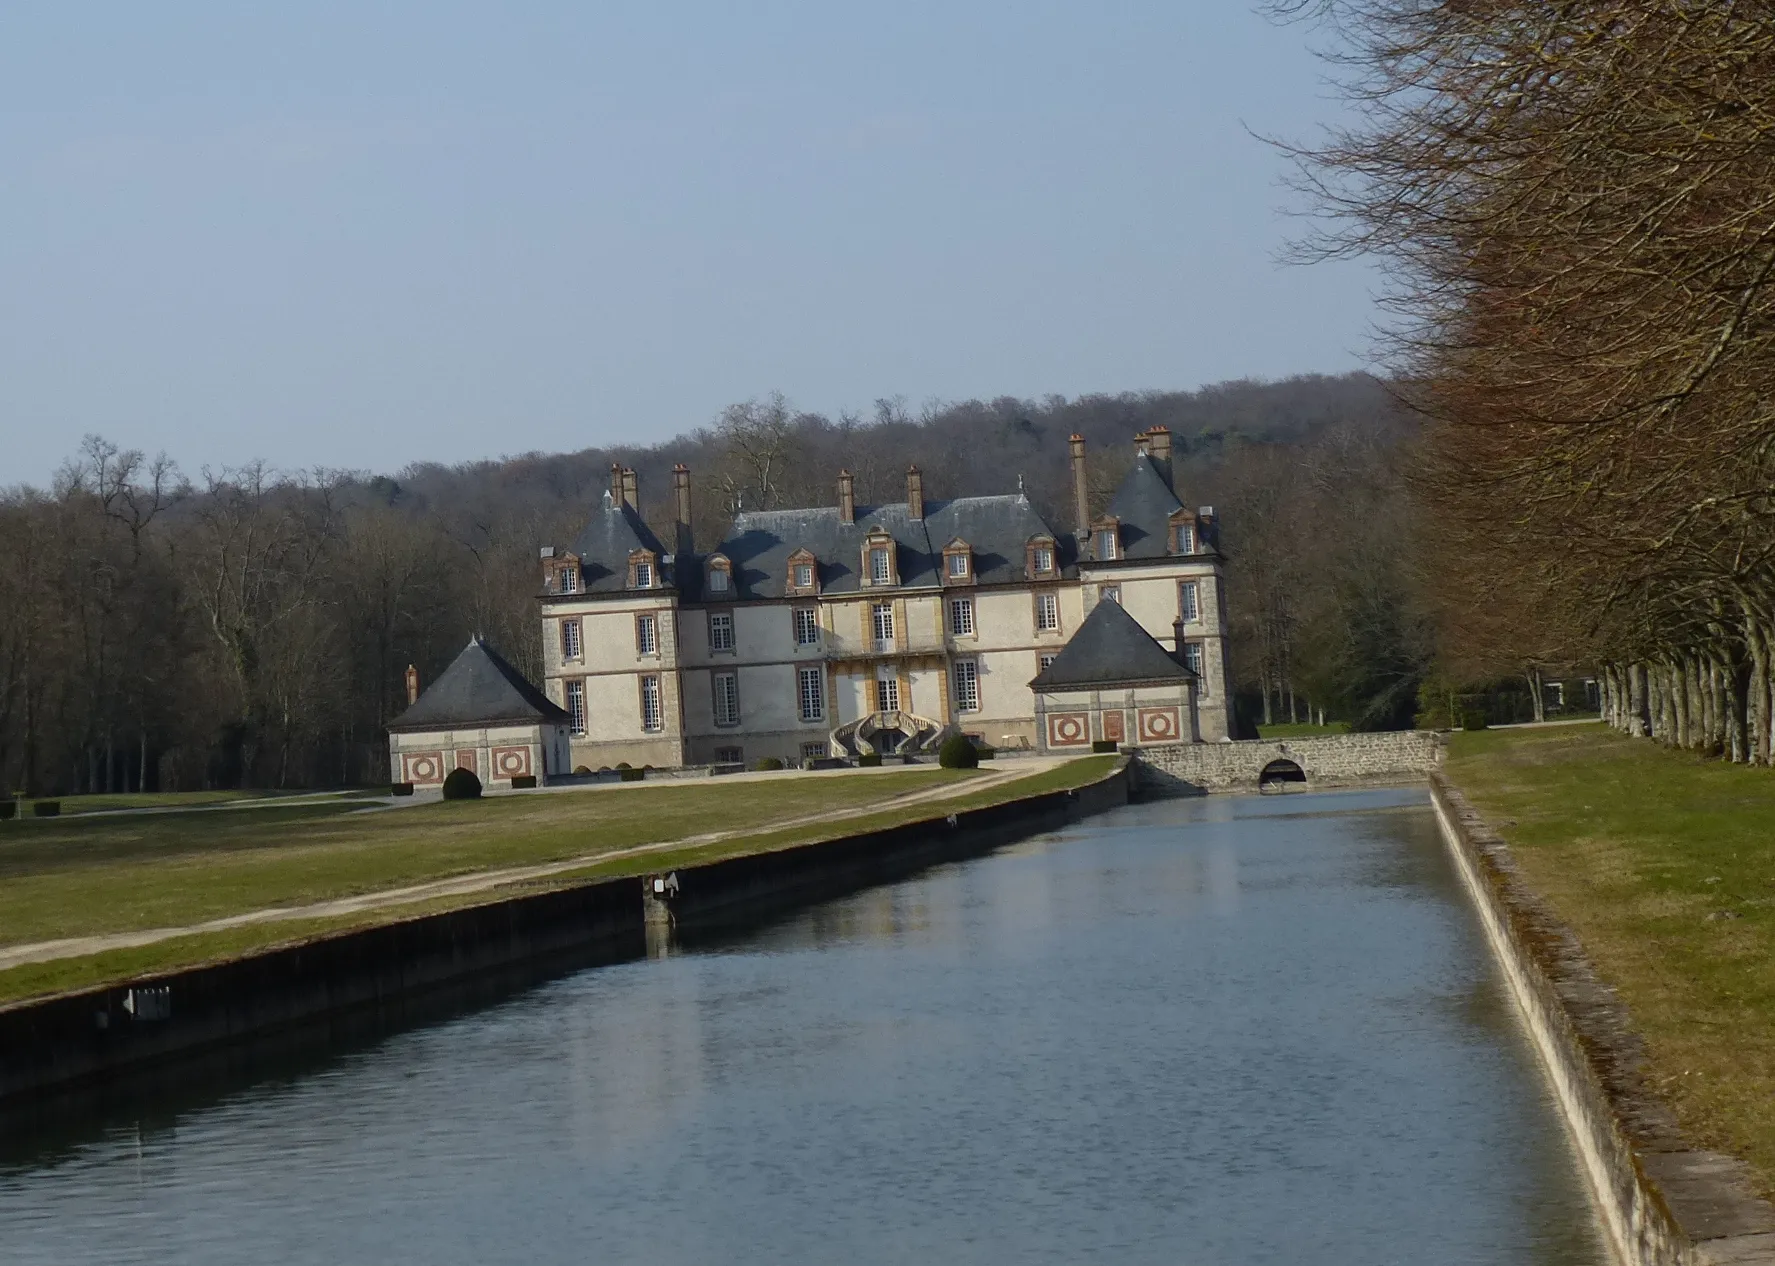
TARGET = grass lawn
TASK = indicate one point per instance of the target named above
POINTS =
(1664, 864)
(1300, 729)
(105, 803)
(120, 874)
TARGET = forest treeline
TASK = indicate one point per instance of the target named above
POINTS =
(252, 627)
(1575, 206)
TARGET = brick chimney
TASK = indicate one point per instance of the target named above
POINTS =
(1177, 642)
(684, 544)
(631, 489)
(1160, 449)
(914, 492)
(847, 497)
(1142, 443)
(616, 482)
(412, 685)
(1081, 488)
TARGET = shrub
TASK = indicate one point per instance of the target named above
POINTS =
(986, 753)
(869, 759)
(582, 769)
(462, 785)
(1104, 745)
(623, 764)
(7, 809)
(767, 765)
(630, 775)
(400, 789)
(958, 752)
(47, 808)
(523, 782)
(1474, 719)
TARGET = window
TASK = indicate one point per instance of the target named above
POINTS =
(883, 619)
(804, 575)
(807, 626)
(1192, 658)
(887, 690)
(958, 565)
(1188, 607)
(727, 698)
(881, 567)
(653, 717)
(576, 706)
(1043, 558)
(813, 751)
(569, 639)
(1110, 593)
(730, 755)
(719, 580)
(1043, 660)
(967, 685)
(647, 634)
(961, 617)
(570, 579)
(721, 630)
(643, 575)
(1186, 538)
(810, 687)
(1106, 544)
(1047, 612)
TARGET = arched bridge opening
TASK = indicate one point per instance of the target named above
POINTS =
(1281, 775)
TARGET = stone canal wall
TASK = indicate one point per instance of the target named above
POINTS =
(1330, 760)
(91, 1038)
(1663, 1202)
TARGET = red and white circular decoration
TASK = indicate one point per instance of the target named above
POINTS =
(425, 767)
(511, 762)
(1159, 725)
(1068, 729)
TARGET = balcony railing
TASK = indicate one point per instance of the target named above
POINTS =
(837, 645)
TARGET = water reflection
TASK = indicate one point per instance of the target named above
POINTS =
(1229, 1030)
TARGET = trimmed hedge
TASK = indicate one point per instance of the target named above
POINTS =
(768, 764)
(631, 775)
(523, 782)
(958, 752)
(7, 809)
(1104, 745)
(462, 784)
(47, 808)
(400, 789)
(869, 760)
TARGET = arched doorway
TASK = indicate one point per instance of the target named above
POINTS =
(1282, 775)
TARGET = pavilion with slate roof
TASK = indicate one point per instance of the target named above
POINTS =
(1114, 683)
(481, 715)
(854, 628)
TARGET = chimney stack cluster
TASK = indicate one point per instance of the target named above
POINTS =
(847, 497)
(914, 493)
(683, 542)
(1081, 487)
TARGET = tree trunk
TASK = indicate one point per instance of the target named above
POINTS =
(1756, 710)
(1537, 692)
(1637, 716)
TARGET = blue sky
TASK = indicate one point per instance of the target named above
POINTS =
(359, 234)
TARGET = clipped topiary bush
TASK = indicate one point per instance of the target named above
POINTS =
(582, 769)
(869, 759)
(958, 752)
(7, 809)
(400, 789)
(47, 808)
(462, 785)
(768, 764)
(1473, 720)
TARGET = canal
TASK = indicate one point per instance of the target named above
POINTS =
(1226, 1030)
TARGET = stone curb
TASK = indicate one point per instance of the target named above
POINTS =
(1664, 1203)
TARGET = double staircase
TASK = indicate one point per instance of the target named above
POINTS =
(896, 733)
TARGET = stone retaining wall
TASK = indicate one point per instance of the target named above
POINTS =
(1328, 761)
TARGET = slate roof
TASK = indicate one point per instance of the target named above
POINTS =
(605, 543)
(1110, 650)
(997, 528)
(478, 688)
(1144, 503)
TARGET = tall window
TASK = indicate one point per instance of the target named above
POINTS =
(883, 619)
(653, 717)
(887, 690)
(569, 639)
(1106, 543)
(643, 575)
(1044, 558)
(647, 634)
(1110, 593)
(1188, 607)
(804, 575)
(961, 616)
(570, 579)
(1047, 612)
(967, 685)
(727, 699)
(807, 626)
(721, 630)
(718, 580)
(881, 566)
(576, 706)
(810, 686)
(1192, 658)
(1186, 538)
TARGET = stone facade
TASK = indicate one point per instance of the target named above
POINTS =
(1329, 761)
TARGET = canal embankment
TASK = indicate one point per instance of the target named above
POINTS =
(1664, 1200)
(81, 1038)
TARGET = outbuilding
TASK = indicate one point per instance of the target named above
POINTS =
(1112, 682)
(481, 715)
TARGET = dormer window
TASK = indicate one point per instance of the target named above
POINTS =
(1183, 532)
(1040, 561)
(1106, 536)
(720, 576)
(643, 575)
(804, 574)
(570, 578)
(958, 562)
(643, 569)
(878, 559)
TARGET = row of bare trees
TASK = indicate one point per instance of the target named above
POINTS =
(1575, 205)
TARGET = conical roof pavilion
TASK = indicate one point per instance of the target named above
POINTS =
(1110, 650)
(479, 688)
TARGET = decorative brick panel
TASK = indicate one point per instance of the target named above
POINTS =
(1069, 729)
(511, 762)
(1160, 725)
(1114, 725)
(422, 767)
